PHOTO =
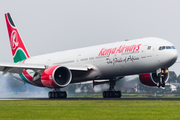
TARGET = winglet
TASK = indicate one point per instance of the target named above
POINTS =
(18, 48)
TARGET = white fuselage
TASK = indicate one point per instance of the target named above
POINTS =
(115, 59)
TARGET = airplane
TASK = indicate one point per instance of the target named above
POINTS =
(148, 57)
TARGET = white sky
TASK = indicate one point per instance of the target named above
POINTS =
(54, 25)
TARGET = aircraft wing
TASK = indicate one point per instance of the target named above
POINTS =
(18, 67)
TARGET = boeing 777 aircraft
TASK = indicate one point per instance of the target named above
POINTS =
(150, 58)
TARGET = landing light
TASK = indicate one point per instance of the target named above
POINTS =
(90, 68)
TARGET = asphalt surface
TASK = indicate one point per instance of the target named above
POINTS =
(91, 99)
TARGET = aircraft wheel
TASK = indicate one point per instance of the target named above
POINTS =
(158, 84)
(119, 94)
(56, 95)
(163, 84)
(50, 94)
(53, 94)
(107, 94)
(116, 94)
(104, 94)
(65, 94)
(111, 94)
(60, 94)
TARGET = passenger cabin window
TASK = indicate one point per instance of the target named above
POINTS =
(166, 47)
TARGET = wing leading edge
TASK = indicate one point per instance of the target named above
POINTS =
(19, 67)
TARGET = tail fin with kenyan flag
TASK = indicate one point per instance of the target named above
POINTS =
(18, 48)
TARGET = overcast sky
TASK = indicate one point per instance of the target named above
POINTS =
(55, 25)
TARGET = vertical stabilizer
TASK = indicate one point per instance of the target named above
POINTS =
(18, 48)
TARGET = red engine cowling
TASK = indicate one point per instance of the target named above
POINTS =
(56, 77)
(150, 79)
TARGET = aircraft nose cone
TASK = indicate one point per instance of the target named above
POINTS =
(171, 57)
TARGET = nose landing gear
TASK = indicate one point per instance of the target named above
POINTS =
(161, 81)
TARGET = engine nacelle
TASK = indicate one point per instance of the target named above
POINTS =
(151, 79)
(56, 77)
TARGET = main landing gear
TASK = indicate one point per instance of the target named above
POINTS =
(111, 93)
(57, 94)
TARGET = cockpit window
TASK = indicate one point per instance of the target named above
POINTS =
(173, 47)
(160, 48)
(166, 47)
(163, 47)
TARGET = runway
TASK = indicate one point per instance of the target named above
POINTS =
(154, 99)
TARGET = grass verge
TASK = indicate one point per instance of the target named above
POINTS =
(89, 110)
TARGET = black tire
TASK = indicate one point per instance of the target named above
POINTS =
(163, 84)
(65, 94)
(107, 94)
(60, 95)
(158, 84)
(104, 94)
(56, 95)
(111, 94)
(50, 94)
(119, 94)
(115, 94)
(53, 94)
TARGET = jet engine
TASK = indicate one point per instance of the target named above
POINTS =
(152, 79)
(56, 77)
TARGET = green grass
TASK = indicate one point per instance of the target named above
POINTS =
(89, 110)
(99, 95)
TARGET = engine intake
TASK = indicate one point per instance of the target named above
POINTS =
(151, 79)
(56, 77)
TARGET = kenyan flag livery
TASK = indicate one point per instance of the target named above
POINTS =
(18, 48)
